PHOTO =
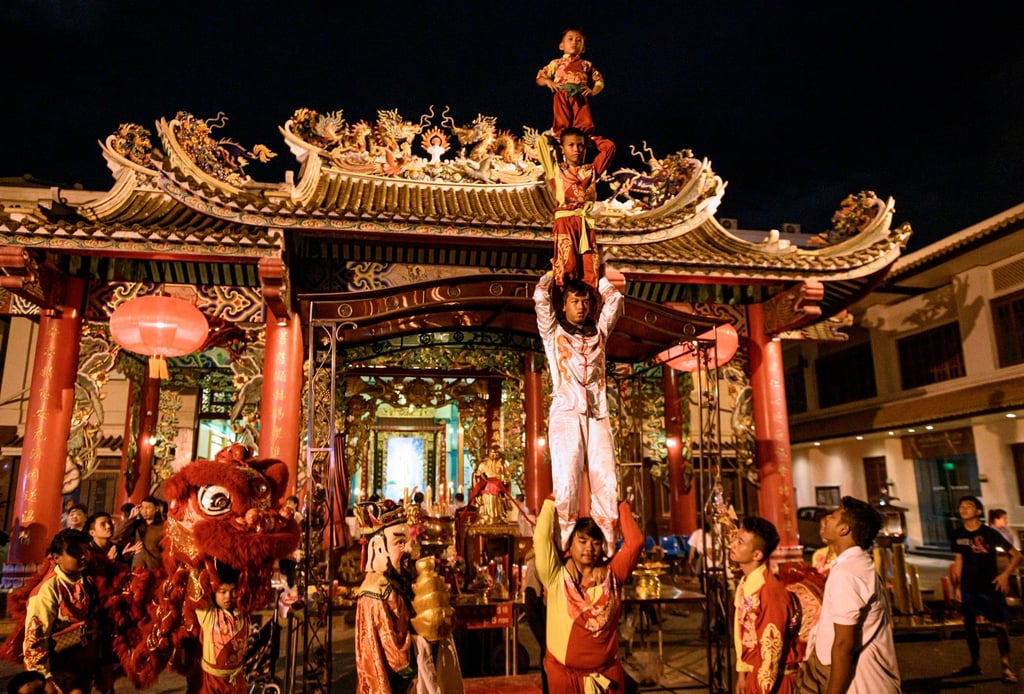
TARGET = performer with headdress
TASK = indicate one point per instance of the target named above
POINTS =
(384, 658)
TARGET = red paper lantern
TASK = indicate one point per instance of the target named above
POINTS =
(684, 356)
(159, 327)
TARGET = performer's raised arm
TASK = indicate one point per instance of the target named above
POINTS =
(546, 553)
(612, 309)
(546, 320)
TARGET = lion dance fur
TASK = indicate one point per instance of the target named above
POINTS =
(222, 512)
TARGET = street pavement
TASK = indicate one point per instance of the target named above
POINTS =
(927, 655)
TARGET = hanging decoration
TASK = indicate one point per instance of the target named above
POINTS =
(159, 327)
(684, 356)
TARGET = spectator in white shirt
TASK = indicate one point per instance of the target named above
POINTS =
(851, 648)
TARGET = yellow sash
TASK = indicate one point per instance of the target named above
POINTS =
(588, 223)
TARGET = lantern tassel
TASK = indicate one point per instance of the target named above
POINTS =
(158, 367)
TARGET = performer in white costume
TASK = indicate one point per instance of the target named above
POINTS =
(579, 433)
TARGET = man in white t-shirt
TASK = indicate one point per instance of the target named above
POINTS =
(851, 648)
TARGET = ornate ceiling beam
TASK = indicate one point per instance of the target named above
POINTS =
(274, 287)
(794, 308)
(33, 280)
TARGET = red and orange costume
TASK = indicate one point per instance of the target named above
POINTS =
(571, 73)
(766, 625)
(55, 604)
(224, 635)
(575, 188)
(383, 640)
(582, 624)
(384, 654)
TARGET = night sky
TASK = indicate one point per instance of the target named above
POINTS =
(795, 104)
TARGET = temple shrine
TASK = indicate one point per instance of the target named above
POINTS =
(382, 290)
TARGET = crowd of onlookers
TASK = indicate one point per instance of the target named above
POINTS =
(133, 538)
(61, 638)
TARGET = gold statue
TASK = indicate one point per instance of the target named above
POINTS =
(431, 603)
(490, 488)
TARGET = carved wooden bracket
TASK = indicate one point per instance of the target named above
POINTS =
(793, 308)
(33, 280)
(274, 286)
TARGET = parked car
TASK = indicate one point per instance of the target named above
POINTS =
(808, 521)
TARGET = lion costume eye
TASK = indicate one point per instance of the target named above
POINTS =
(214, 500)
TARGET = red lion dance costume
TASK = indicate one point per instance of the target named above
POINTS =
(225, 510)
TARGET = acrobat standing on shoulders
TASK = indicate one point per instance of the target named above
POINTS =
(574, 184)
(579, 432)
(572, 81)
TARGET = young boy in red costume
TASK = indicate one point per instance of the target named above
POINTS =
(573, 81)
(60, 623)
(575, 187)
(224, 637)
(766, 623)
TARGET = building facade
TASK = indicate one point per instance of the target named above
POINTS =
(925, 400)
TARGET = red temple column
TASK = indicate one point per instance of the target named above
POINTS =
(771, 425)
(150, 419)
(537, 472)
(37, 501)
(281, 398)
(682, 503)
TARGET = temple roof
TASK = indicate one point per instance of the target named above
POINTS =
(190, 198)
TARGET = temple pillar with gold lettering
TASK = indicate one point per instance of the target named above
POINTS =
(137, 473)
(776, 497)
(281, 400)
(536, 471)
(682, 500)
(37, 500)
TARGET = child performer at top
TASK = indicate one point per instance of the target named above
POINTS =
(579, 432)
(224, 636)
(573, 81)
(575, 186)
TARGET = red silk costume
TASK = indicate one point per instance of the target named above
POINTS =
(570, 73)
(766, 626)
(382, 638)
(583, 624)
(575, 189)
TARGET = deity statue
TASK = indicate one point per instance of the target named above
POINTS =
(491, 488)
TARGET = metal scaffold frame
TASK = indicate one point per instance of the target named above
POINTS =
(711, 501)
(310, 646)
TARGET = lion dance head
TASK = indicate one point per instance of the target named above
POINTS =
(225, 517)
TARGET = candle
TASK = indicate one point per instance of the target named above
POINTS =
(430, 496)
(405, 495)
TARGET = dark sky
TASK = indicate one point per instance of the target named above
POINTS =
(796, 104)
